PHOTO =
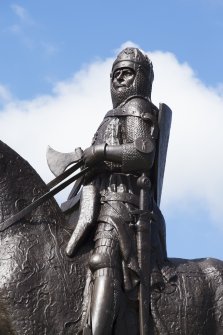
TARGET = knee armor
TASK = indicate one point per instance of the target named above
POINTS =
(99, 261)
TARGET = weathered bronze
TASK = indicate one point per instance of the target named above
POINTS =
(127, 157)
(117, 279)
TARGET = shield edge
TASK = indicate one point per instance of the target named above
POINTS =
(164, 123)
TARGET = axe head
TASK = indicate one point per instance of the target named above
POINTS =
(58, 161)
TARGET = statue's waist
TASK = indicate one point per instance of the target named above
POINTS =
(129, 198)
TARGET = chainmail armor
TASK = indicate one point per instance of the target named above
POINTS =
(142, 84)
(128, 129)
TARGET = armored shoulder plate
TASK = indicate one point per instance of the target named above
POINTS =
(138, 107)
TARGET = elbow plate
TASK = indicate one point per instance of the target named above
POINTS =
(146, 146)
(139, 155)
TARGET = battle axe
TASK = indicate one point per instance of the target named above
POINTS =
(58, 161)
(53, 158)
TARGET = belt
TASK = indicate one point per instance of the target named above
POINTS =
(124, 197)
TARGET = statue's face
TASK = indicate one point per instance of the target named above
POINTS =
(123, 78)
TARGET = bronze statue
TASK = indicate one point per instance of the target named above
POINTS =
(123, 148)
(117, 278)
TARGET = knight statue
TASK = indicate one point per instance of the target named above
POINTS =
(123, 148)
(98, 265)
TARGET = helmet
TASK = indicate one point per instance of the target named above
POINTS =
(134, 59)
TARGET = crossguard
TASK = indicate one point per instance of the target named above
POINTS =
(58, 161)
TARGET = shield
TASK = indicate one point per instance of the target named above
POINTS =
(164, 122)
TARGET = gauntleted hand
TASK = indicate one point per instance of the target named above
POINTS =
(94, 154)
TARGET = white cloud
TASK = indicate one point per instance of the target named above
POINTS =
(48, 48)
(195, 160)
(15, 29)
(23, 30)
(65, 119)
(21, 13)
(69, 116)
(5, 94)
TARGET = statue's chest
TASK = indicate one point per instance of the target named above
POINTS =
(109, 132)
(115, 131)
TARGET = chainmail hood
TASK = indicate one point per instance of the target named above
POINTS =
(142, 85)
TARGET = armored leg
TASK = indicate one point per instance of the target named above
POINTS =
(104, 304)
(105, 265)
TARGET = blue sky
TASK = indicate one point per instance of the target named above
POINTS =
(55, 59)
(51, 39)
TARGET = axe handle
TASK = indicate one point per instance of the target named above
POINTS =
(27, 210)
(64, 175)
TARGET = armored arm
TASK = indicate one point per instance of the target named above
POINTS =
(137, 155)
(137, 149)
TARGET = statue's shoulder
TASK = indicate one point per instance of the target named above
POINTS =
(137, 107)
(140, 105)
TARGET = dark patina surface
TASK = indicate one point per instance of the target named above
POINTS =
(117, 279)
